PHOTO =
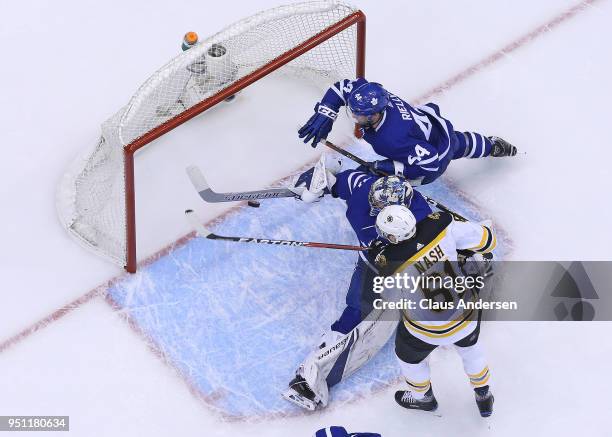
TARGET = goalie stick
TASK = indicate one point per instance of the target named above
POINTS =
(207, 194)
(203, 232)
(369, 165)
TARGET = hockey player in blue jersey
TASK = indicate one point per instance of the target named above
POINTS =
(365, 195)
(418, 142)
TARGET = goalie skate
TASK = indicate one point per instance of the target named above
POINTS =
(300, 394)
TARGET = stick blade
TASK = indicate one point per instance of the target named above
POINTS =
(197, 178)
(196, 223)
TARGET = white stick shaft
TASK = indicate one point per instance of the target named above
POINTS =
(196, 223)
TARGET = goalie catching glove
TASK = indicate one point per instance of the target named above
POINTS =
(317, 181)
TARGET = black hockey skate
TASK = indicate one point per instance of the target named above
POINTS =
(405, 399)
(502, 147)
(484, 400)
(300, 394)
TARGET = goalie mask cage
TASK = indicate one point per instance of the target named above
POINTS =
(317, 40)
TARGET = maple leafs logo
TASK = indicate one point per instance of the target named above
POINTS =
(374, 101)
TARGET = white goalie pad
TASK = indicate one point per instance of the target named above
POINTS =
(349, 353)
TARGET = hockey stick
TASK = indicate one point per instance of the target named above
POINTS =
(203, 232)
(369, 165)
(207, 194)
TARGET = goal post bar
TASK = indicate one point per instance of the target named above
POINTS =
(357, 18)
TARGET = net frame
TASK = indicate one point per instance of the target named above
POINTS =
(356, 18)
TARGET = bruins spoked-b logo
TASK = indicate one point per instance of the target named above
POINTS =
(380, 260)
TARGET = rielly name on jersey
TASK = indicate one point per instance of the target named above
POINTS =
(417, 140)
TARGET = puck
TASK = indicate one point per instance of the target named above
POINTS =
(253, 203)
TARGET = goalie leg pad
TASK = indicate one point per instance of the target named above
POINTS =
(338, 360)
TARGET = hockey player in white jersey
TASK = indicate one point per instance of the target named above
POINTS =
(341, 355)
(430, 249)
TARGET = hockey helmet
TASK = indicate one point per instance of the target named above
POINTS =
(389, 190)
(366, 102)
(396, 223)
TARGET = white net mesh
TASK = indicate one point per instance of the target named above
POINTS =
(91, 198)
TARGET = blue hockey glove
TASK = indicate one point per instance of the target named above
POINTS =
(389, 167)
(339, 431)
(378, 168)
(319, 125)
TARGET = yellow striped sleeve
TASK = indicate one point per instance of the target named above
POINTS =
(488, 242)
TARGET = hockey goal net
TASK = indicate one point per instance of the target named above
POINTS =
(319, 40)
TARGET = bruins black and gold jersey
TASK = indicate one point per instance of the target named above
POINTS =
(438, 285)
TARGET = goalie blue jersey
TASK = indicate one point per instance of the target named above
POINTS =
(418, 141)
(353, 186)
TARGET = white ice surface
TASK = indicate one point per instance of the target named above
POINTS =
(69, 65)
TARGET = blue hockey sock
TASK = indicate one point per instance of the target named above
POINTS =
(471, 145)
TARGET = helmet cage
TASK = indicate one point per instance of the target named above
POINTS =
(390, 190)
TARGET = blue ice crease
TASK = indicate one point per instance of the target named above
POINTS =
(236, 319)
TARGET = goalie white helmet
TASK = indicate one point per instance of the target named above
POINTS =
(396, 223)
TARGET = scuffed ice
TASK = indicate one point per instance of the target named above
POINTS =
(236, 319)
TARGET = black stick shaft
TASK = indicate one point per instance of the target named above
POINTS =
(361, 161)
(203, 232)
(292, 243)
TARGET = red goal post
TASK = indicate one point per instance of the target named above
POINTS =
(322, 40)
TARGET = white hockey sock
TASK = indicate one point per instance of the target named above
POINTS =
(475, 365)
(417, 377)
